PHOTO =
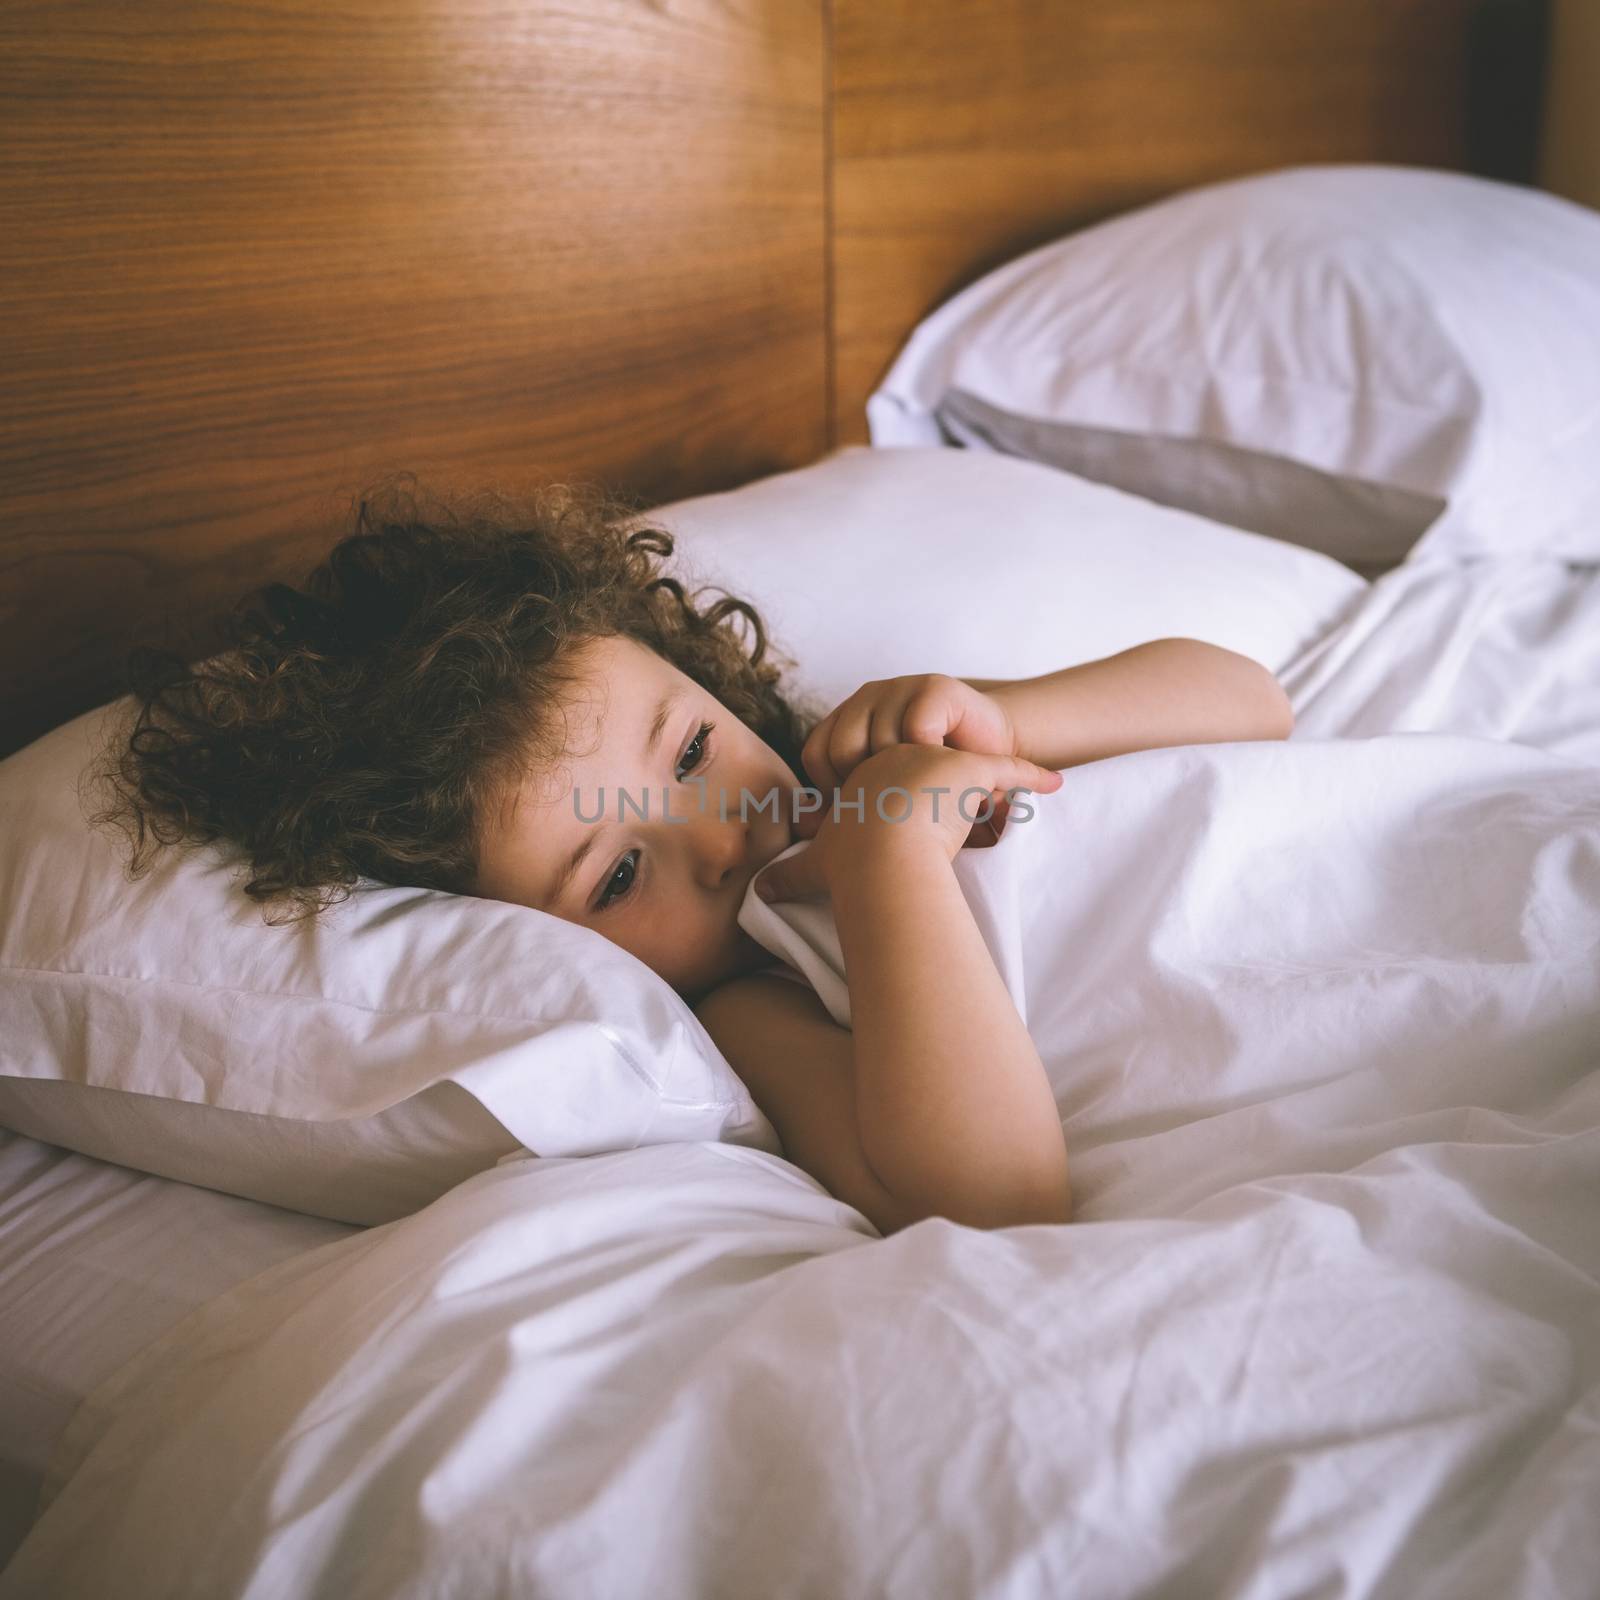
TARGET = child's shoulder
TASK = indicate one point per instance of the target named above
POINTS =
(757, 991)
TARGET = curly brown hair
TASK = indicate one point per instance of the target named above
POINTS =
(358, 726)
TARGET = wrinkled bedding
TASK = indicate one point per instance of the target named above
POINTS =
(1323, 1021)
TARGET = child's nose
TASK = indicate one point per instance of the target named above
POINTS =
(720, 847)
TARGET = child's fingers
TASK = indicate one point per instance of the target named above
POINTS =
(929, 715)
(886, 728)
(829, 750)
(893, 721)
(814, 753)
(872, 719)
(1014, 772)
(850, 740)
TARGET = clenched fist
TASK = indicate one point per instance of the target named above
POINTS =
(926, 709)
(907, 799)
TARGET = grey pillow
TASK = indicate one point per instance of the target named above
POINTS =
(1370, 527)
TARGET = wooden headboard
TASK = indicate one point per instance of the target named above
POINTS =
(254, 255)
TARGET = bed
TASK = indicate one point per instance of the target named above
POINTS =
(525, 1309)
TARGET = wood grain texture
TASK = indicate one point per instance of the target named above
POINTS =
(968, 131)
(1569, 148)
(254, 254)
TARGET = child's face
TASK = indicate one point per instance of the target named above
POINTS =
(666, 891)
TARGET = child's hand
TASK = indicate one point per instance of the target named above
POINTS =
(926, 709)
(913, 798)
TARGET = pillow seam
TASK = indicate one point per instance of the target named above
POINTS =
(87, 976)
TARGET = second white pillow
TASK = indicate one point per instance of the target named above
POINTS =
(873, 563)
(1427, 342)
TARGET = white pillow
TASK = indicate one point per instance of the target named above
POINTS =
(354, 1067)
(1406, 332)
(873, 563)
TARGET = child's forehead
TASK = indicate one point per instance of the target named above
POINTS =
(615, 667)
(617, 684)
(619, 692)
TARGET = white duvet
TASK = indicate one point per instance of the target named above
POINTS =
(1323, 1020)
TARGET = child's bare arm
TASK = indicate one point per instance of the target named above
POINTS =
(956, 1110)
(937, 1104)
(799, 1066)
(1166, 692)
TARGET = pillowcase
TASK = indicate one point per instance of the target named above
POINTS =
(873, 563)
(1367, 526)
(353, 1067)
(1339, 356)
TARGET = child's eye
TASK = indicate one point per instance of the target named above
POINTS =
(695, 755)
(620, 882)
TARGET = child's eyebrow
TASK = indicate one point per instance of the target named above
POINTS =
(569, 869)
(663, 711)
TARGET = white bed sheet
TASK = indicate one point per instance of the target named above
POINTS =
(96, 1261)
(1341, 1339)
(1495, 648)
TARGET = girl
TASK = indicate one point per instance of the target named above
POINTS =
(452, 695)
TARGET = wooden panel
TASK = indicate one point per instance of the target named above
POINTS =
(1569, 152)
(253, 253)
(969, 130)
